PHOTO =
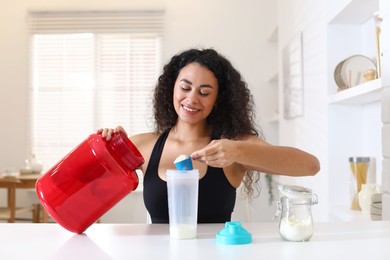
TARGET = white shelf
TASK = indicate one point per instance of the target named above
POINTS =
(353, 11)
(274, 119)
(274, 78)
(273, 38)
(359, 95)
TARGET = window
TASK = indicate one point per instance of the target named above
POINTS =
(88, 71)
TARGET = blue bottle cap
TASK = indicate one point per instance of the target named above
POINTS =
(234, 234)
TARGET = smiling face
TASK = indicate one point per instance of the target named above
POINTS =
(195, 93)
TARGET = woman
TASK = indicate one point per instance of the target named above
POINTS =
(203, 108)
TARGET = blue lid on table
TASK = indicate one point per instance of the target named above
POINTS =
(234, 234)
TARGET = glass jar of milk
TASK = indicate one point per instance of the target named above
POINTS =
(294, 209)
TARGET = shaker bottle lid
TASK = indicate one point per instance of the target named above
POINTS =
(234, 234)
(359, 159)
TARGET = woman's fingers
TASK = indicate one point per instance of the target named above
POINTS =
(106, 133)
(120, 128)
(218, 153)
(209, 155)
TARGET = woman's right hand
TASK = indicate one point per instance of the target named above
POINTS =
(108, 132)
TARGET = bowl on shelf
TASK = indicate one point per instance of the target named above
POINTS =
(353, 71)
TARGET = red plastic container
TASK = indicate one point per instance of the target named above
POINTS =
(89, 181)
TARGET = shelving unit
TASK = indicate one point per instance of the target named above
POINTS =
(354, 122)
(359, 95)
(274, 35)
(352, 11)
(274, 78)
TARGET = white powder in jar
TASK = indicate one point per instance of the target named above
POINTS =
(293, 229)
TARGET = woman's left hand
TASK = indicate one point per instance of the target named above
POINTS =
(218, 153)
(108, 132)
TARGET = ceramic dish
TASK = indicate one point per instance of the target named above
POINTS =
(349, 72)
(337, 77)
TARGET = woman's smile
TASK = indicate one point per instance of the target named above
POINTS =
(190, 109)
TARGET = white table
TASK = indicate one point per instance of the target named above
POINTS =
(348, 240)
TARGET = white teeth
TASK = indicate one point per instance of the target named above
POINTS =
(189, 109)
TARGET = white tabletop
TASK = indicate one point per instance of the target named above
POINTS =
(348, 240)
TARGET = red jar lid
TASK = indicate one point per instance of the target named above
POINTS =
(130, 155)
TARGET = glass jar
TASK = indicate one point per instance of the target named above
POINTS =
(294, 209)
(359, 167)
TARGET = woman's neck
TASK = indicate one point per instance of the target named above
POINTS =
(190, 133)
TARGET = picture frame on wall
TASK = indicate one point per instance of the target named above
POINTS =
(293, 103)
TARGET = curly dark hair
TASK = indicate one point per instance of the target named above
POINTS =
(233, 114)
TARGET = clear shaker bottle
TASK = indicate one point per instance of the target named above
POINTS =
(183, 189)
(294, 209)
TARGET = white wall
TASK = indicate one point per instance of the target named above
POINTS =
(308, 132)
(238, 29)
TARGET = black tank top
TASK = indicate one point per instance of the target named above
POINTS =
(216, 195)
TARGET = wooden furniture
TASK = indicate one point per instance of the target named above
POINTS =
(337, 240)
(11, 212)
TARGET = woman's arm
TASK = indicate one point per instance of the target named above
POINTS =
(256, 154)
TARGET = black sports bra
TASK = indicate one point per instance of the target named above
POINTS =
(216, 199)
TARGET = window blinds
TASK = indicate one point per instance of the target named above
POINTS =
(90, 70)
(134, 22)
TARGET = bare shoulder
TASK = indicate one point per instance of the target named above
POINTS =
(145, 143)
(144, 139)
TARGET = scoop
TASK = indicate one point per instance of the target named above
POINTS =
(183, 163)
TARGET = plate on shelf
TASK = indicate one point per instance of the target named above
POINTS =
(349, 72)
(337, 76)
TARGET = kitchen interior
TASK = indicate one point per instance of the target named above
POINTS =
(339, 113)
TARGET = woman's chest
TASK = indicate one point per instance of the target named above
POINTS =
(171, 151)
